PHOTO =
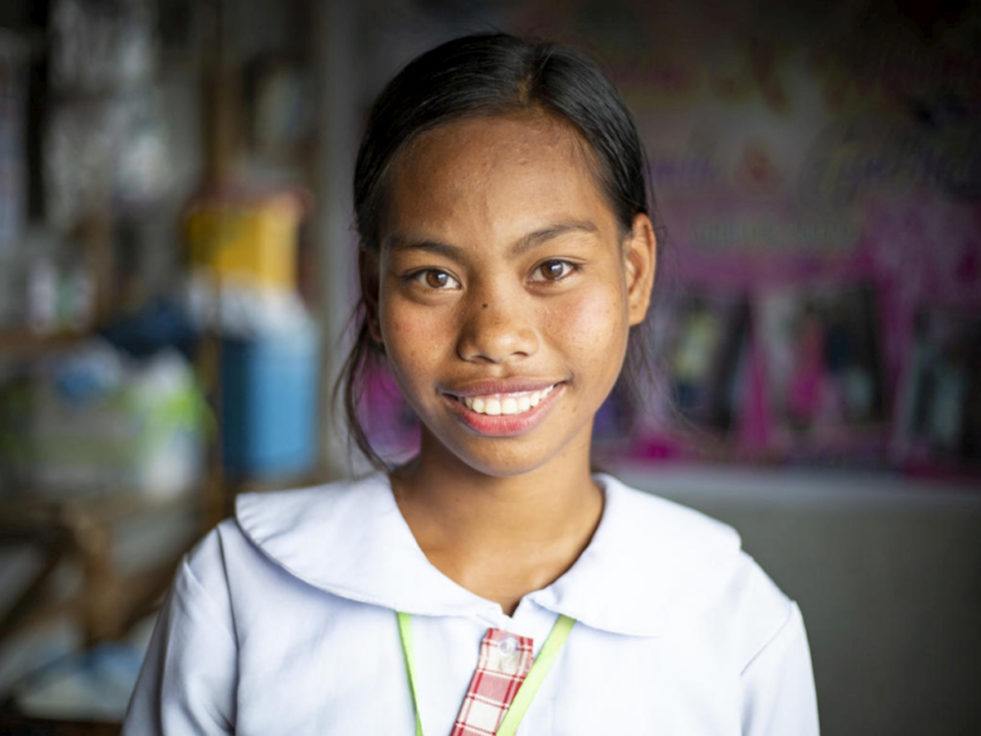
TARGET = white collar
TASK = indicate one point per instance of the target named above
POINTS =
(649, 564)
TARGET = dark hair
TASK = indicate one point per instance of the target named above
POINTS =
(490, 74)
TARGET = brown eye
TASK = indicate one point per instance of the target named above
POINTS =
(434, 278)
(437, 279)
(554, 270)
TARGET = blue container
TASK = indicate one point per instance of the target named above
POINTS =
(269, 401)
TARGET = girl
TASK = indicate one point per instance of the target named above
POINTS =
(507, 259)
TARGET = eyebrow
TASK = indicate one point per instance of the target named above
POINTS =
(522, 245)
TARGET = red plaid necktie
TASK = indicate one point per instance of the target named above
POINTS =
(503, 664)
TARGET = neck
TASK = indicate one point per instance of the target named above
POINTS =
(500, 537)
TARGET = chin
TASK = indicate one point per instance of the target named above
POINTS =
(509, 459)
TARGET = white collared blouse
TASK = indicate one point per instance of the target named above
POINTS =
(281, 621)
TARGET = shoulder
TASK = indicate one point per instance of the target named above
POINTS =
(266, 515)
(675, 525)
(654, 530)
(688, 567)
(276, 528)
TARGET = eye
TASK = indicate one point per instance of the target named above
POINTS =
(435, 278)
(553, 270)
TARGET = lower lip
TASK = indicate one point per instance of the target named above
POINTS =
(505, 425)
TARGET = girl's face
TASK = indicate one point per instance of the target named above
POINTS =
(506, 290)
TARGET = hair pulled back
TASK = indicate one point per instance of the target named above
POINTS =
(478, 75)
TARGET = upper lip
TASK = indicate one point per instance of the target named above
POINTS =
(498, 386)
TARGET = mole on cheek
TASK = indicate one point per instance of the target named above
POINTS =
(483, 306)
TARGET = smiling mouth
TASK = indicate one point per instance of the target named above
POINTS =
(505, 404)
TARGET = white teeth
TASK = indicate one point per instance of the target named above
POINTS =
(506, 405)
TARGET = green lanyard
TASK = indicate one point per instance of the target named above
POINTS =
(526, 693)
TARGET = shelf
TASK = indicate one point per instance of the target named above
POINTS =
(125, 546)
(16, 725)
(26, 342)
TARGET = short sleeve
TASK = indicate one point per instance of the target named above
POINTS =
(778, 684)
(187, 683)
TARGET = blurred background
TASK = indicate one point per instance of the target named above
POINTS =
(177, 269)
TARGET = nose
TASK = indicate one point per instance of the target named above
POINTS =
(496, 328)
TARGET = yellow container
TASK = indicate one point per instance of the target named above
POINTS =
(246, 241)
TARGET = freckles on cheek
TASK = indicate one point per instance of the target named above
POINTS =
(407, 339)
(591, 321)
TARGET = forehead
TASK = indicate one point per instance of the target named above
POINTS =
(502, 168)
(524, 133)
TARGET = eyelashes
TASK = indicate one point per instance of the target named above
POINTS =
(434, 278)
(555, 269)
(551, 270)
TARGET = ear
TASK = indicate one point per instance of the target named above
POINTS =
(640, 264)
(368, 274)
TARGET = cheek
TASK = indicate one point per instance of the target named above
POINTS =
(410, 337)
(592, 325)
